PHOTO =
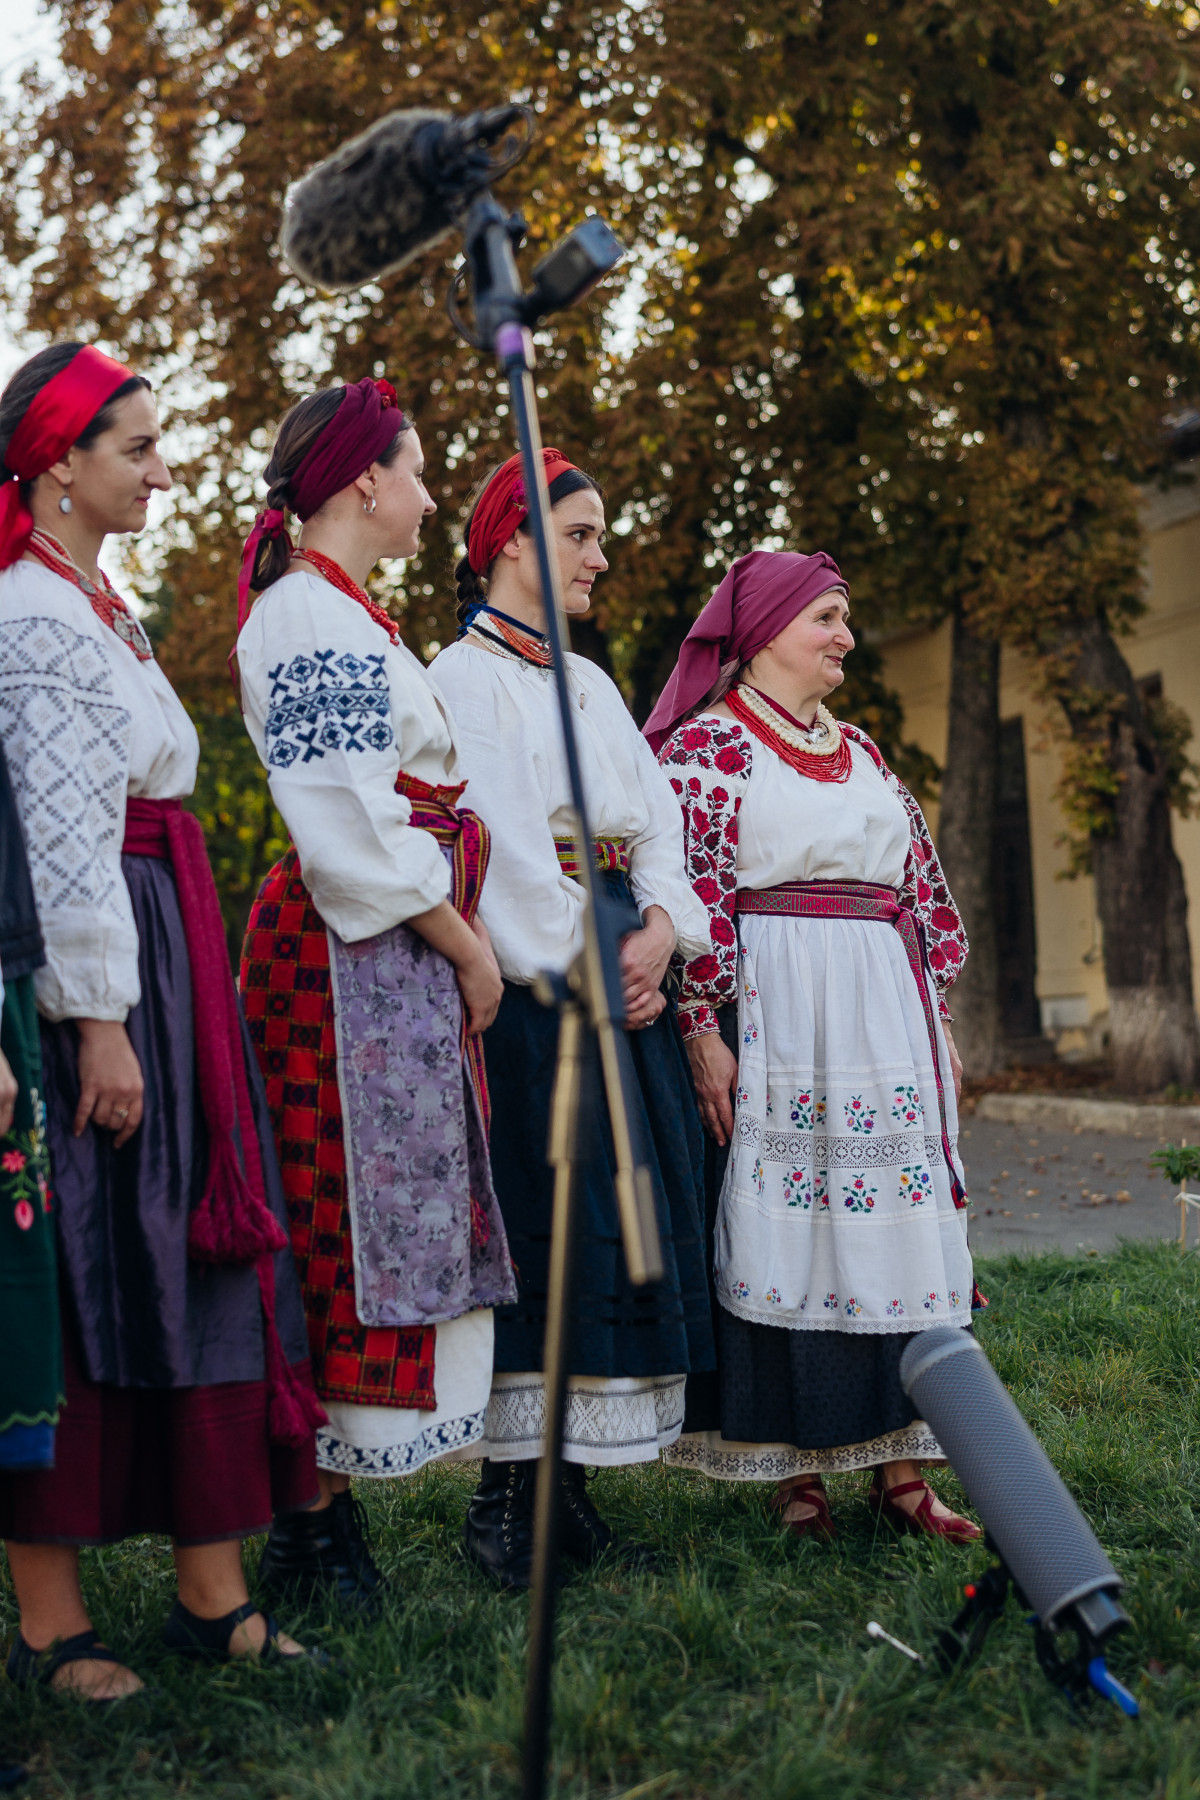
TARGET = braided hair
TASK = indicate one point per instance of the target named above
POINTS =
(472, 589)
(299, 430)
(25, 386)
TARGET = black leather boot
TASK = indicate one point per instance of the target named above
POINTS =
(324, 1552)
(584, 1534)
(498, 1529)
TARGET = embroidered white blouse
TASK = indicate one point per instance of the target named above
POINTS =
(85, 724)
(506, 714)
(336, 710)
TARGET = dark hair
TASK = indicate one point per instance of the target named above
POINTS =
(472, 588)
(299, 429)
(25, 386)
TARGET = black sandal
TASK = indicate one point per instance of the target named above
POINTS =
(189, 1635)
(27, 1667)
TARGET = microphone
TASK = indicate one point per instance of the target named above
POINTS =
(1047, 1547)
(392, 191)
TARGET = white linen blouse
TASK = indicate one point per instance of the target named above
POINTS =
(795, 830)
(336, 711)
(506, 714)
(85, 724)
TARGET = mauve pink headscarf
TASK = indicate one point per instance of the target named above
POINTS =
(761, 594)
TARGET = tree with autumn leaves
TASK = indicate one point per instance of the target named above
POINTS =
(910, 282)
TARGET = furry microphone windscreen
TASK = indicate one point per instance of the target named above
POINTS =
(389, 193)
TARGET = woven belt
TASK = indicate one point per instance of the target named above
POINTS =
(607, 853)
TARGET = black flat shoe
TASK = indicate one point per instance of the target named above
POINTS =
(586, 1537)
(209, 1639)
(28, 1668)
(498, 1529)
(326, 1551)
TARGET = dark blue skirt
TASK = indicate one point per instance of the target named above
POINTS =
(662, 1329)
(146, 1316)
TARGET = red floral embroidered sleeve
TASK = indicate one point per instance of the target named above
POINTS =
(708, 764)
(924, 888)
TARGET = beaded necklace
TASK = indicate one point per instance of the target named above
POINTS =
(106, 603)
(818, 751)
(519, 640)
(335, 574)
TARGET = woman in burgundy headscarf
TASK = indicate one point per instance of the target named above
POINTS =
(367, 979)
(190, 1408)
(824, 1066)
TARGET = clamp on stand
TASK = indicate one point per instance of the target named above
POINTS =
(588, 999)
(1093, 1619)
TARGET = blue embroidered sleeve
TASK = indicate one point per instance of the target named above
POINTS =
(325, 702)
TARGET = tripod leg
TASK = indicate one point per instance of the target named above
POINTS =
(563, 1155)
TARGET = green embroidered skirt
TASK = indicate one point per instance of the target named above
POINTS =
(31, 1375)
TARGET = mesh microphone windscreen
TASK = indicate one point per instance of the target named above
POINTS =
(1035, 1524)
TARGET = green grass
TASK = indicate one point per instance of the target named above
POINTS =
(744, 1669)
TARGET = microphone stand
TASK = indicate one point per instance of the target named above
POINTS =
(589, 999)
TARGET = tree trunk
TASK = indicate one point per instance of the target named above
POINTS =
(966, 837)
(1140, 894)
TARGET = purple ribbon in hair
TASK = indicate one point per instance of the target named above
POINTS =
(365, 424)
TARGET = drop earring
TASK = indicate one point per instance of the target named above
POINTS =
(371, 508)
(64, 505)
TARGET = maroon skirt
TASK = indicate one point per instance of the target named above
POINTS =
(192, 1463)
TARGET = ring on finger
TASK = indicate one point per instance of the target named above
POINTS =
(120, 1112)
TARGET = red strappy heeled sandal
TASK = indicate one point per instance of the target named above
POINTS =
(923, 1522)
(810, 1491)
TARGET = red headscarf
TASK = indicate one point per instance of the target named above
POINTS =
(761, 594)
(364, 425)
(56, 418)
(502, 506)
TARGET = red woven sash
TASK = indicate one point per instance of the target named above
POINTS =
(232, 1223)
(465, 835)
(607, 853)
(864, 900)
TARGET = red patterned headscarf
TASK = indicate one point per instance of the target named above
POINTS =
(56, 418)
(503, 506)
(365, 424)
(761, 594)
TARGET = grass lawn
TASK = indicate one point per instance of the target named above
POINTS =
(744, 1668)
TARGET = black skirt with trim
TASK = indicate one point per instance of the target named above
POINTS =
(618, 1329)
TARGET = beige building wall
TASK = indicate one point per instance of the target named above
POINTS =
(1165, 641)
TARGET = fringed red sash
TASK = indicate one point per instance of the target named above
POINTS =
(464, 834)
(864, 900)
(232, 1223)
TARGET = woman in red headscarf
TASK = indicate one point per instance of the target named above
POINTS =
(633, 1349)
(367, 979)
(189, 1406)
(819, 1037)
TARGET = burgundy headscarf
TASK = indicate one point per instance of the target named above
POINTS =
(761, 594)
(55, 418)
(502, 506)
(364, 425)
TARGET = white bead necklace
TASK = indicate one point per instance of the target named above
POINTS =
(822, 738)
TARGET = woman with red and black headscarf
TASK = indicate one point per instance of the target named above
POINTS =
(367, 979)
(819, 1037)
(633, 1349)
(189, 1404)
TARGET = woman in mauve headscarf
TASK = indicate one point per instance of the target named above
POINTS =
(819, 1038)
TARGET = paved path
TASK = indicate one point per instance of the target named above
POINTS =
(1034, 1188)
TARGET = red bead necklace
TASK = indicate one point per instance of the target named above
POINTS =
(106, 603)
(335, 574)
(834, 766)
